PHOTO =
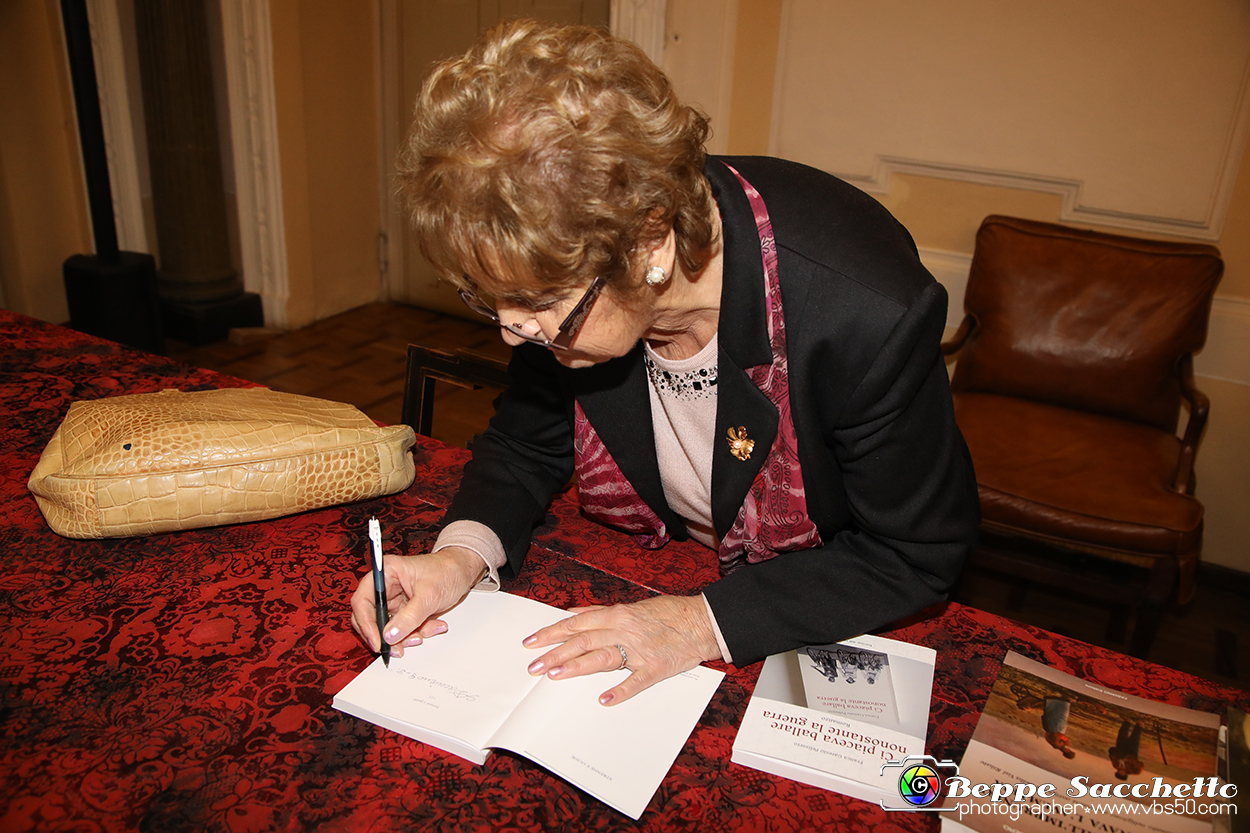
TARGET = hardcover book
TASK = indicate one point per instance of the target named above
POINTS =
(837, 733)
(1117, 762)
(467, 691)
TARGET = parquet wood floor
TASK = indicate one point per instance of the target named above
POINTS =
(360, 357)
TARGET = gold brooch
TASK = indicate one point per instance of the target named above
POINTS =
(739, 445)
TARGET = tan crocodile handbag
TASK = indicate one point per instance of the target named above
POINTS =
(158, 462)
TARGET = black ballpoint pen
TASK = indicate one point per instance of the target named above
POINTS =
(379, 587)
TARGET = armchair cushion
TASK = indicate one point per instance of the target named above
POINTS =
(1068, 476)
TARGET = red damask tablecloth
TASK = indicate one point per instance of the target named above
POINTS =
(182, 682)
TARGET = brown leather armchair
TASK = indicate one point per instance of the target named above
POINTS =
(1074, 355)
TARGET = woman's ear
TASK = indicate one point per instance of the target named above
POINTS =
(663, 255)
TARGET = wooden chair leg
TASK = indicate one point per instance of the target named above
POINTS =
(1149, 615)
(1159, 589)
(1015, 597)
(425, 406)
(1117, 623)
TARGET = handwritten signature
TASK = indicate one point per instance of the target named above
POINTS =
(458, 693)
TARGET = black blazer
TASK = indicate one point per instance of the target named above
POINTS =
(888, 478)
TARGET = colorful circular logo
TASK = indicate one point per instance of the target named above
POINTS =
(920, 785)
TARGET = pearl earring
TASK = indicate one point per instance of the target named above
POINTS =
(656, 276)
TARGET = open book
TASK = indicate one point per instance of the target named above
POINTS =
(468, 691)
(835, 734)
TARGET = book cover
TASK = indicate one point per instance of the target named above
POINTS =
(1042, 726)
(468, 691)
(1237, 766)
(783, 734)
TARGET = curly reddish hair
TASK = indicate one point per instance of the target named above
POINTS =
(557, 152)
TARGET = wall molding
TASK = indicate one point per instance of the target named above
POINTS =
(1226, 355)
(1072, 208)
(119, 138)
(1206, 224)
(248, 44)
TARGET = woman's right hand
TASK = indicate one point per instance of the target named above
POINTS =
(418, 589)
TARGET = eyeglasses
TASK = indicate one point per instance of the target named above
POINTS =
(568, 328)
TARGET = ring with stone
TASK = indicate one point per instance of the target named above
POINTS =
(624, 657)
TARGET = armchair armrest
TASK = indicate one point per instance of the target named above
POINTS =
(1199, 408)
(961, 335)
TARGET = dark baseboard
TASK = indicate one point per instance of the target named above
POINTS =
(1223, 578)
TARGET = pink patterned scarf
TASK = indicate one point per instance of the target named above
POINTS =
(773, 518)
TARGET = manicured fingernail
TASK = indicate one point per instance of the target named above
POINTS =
(555, 672)
(536, 667)
(529, 640)
(392, 633)
(441, 627)
(606, 699)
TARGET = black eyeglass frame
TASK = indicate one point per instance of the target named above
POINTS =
(566, 332)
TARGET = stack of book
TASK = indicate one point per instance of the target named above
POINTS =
(833, 715)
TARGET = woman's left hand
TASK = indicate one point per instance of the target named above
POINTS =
(662, 636)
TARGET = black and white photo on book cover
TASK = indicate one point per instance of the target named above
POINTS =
(1115, 760)
(851, 680)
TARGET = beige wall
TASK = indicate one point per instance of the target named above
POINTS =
(1234, 242)
(755, 57)
(943, 216)
(43, 214)
(325, 69)
(940, 213)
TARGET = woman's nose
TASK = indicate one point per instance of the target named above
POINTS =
(518, 318)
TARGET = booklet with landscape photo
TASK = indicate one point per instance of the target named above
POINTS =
(1042, 726)
(837, 733)
(468, 691)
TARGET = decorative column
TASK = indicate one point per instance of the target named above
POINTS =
(202, 295)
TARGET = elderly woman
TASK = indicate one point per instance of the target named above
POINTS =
(743, 351)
